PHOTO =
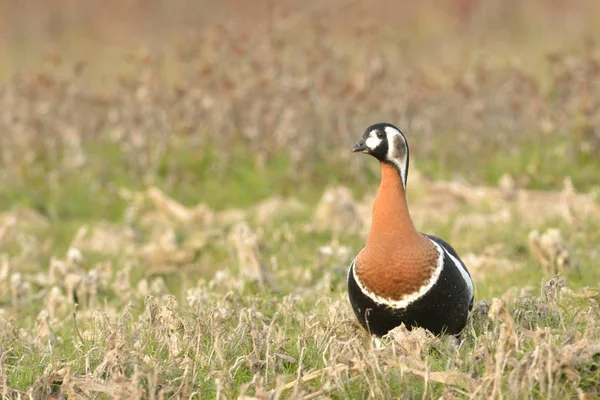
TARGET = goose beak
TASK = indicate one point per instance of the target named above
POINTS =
(361, 145)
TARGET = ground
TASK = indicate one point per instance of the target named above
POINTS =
(178, 209)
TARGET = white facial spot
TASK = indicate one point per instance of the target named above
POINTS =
(372, 142)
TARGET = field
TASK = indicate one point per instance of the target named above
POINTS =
(179, 204)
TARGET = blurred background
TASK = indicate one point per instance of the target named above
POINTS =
(228, 102)
(198, 154)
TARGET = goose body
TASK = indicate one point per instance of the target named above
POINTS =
(402, 275)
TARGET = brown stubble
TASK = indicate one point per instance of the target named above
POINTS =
(219, 90)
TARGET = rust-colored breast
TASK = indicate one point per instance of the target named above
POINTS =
(397, 260)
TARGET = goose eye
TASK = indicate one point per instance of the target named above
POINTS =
(380, 135)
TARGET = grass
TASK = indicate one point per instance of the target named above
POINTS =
(166, 230)
(226, 332)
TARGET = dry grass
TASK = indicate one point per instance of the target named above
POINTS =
(180, 225)
(266, 325)
(217, 93)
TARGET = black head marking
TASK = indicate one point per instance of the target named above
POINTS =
(386, 143)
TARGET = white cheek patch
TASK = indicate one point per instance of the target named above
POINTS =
(372, 142)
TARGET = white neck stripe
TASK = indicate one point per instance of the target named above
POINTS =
(401, 167)
(399, 159)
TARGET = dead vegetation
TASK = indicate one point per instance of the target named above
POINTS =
(208, 349)
(243, 97)
(184, 229)
(225, 337)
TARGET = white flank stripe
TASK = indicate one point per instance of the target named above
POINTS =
(463, 272)
(409, 298)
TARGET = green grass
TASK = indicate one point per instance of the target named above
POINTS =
(257, 323)
(169, 306)
(237, 331)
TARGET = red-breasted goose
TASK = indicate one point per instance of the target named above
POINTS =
(402, 275)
